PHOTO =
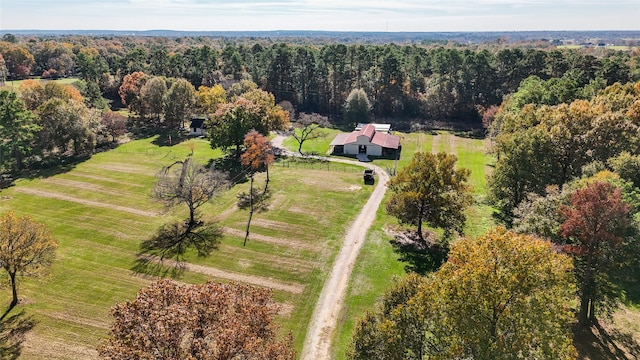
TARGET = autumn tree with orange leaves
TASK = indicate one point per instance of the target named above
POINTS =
(27, 248)
(130, 91)
(213, 321)
(595, 225)
(258, 154)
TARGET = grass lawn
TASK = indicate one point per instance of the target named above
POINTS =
(100, 210)
(318, 146)
(15, 84)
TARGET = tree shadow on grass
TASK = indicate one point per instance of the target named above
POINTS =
(627, 276)
(154, 267)
(44, 169)
(476, 133)
(260, 200)
(422, 257)
(163, 254)
(596, 342)
(231, 165)
(13, 329)
(169, 137)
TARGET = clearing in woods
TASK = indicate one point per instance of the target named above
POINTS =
(100, 211)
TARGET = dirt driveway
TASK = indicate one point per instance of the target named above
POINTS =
(317, 344)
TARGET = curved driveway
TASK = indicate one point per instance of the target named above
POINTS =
(317, 344)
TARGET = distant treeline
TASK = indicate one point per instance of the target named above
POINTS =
(406, 84)
(616, 37)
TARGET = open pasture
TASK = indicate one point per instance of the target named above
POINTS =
(100, 210)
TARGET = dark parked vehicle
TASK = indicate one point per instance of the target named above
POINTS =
(369, 176)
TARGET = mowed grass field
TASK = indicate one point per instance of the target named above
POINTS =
(100, 210)
(14, 85)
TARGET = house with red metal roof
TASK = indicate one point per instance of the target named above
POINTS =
(366, 140)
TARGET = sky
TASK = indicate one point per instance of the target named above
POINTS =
(330, 15)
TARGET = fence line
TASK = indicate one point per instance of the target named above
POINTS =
(314, 164)
(317, 165)
(159, 152)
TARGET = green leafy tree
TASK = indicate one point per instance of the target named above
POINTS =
(67, 125)
(213, 321)
(550, 145)
(525, 165)
(91, 93)
(394, 330)
(431, 190)
(390, 99)
(17, 130)
(500, 296)
(90, 65)
(357, 107)
(232, 121)
(26, 249)
(334, 58)
(538, 215)
(180, 101)
(239, 88)
(627, 166)
(153, 95)
(159, 62)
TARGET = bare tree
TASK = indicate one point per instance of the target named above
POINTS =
(189, 183)
(308, 127)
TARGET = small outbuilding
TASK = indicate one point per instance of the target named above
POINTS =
(367, 140)
(197, 127)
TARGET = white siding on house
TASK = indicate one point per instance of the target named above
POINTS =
(350, 149)
(367, 137)
(374, 150)
(354, 149)
(196, 132)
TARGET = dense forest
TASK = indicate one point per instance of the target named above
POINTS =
(422, 85)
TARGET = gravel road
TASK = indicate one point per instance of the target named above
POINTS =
(317, 344)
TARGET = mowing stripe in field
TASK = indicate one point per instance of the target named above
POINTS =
(244, 278)
(102, 178)
(47, 348)
(470, 156)
(273, 240)
(51, 195)
(129, 169)
(435, 144)
(286, 261)
(83, 185)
